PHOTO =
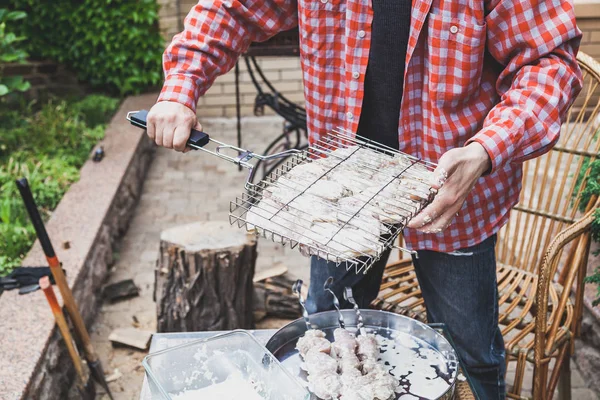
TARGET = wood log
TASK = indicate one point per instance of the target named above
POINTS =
(204, 278)
(274, 298)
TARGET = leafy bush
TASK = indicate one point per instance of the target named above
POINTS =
(112, 44)
(48, 148)
(592, 188)
(10, 53)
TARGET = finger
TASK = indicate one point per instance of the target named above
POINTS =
(427, 215)
(439, 225)
(439, 177)
(151, 127)
(187, 150)
(158, 134)
(168, 135)
(180, 137)
(442, 222)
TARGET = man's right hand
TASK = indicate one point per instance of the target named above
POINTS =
(169, 124)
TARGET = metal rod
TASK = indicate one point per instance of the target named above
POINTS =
(336, 302)
(238, 112)
(359, 319)
(297, 289)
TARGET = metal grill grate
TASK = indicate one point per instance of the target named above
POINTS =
(382, 191)
(344, 198)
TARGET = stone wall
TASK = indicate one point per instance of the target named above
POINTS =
(92, 217)
(285, 73)
(46, 77)
(54, 374)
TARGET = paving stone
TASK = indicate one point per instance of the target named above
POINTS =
(576, 378)
(583, 394)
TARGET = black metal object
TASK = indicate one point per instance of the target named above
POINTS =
(121, 290)
(35, 217)
(98, 154)
(196, 139)
(25, 279)
(284, 44)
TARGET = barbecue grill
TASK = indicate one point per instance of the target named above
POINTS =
(291, 225)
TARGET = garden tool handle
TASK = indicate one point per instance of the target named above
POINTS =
(35, 217)
(196, 140)
(57, 272)
(62, 326)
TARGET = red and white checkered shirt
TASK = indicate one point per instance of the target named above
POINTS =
(498, 72)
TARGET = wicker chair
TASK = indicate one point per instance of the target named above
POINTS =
(541, 254)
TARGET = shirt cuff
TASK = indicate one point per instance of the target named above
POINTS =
(497, 143)
(180, 89)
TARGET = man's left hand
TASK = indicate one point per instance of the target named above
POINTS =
(457, 172)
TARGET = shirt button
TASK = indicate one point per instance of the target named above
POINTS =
(323, 1)
(453, 28)
(356, 74)
(350, 115)
(362, 34)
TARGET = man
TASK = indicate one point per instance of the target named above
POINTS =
(477, 86)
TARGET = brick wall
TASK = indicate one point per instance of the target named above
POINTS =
(588, 19)
(285, 73)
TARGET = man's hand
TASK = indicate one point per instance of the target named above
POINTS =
(456, 174)
(169, 124)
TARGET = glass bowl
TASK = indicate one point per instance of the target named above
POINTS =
(230, 365)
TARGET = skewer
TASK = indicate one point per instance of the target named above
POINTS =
(336, 302)
(350, 298)
(297, 289)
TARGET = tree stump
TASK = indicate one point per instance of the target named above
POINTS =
(204, 278)
(273, 296)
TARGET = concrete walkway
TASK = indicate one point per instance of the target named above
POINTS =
(180, 189)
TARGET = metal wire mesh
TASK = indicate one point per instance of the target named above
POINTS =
(380, 189)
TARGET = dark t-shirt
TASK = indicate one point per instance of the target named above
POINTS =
(384, 78)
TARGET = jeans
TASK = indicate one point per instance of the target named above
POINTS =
(459, 289)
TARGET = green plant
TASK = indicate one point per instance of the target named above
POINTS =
(592, 188)
(112, 44)
(594, 278)
(48, 148)
(10, 53)
(96, 109)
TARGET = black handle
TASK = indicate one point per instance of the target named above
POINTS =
(197, 138)
(35, 217)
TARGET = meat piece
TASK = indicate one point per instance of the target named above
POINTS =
(347, 241)
(313, 209)
(370, 365)
(307, 171)
(353, 180)
(329, 190)
(377, 384)
(356, 238)
(349, 364)
(344, 343)
(267, 215)
(363, 158)
(313, 339)
(368, 348)
(317, 362)
(327, 386)
(350, 395)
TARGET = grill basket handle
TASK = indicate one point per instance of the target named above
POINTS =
(197, 138)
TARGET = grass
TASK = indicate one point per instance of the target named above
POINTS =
(48, 147)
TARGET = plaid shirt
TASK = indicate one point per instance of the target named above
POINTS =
(498, 72)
